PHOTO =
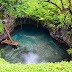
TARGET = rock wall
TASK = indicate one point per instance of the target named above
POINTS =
(61, 36)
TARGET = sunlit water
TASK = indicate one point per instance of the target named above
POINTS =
(35, 46)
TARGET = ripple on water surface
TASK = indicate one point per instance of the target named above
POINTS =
(35, 46)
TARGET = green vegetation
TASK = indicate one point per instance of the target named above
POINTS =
(1, 27)
(70, 51)
(38, 9)
(1, 51)
(45, 11)
(1, 14)
(46, 67)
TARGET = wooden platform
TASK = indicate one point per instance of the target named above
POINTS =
(9, 42)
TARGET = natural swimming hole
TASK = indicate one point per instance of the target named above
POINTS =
(35, 46)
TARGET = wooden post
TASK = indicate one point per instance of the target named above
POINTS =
(8, 33)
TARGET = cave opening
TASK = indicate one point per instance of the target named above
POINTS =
(35, 44)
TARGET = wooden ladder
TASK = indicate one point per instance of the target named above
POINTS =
(7, 41)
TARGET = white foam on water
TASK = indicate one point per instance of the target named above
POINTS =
(30, 58)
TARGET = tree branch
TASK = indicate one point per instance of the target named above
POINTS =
(62, 5)
(70, 6)
(53, 4)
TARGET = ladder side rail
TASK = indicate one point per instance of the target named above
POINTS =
(8, 33)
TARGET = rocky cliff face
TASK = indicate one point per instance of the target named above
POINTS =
(61, 36)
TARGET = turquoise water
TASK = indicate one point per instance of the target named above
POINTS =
(35, 46)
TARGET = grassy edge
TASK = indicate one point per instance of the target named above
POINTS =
(43, 67)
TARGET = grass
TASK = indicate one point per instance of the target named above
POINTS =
(43, 67)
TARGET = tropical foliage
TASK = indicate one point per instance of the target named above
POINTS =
(47, 10)
(56, 11)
